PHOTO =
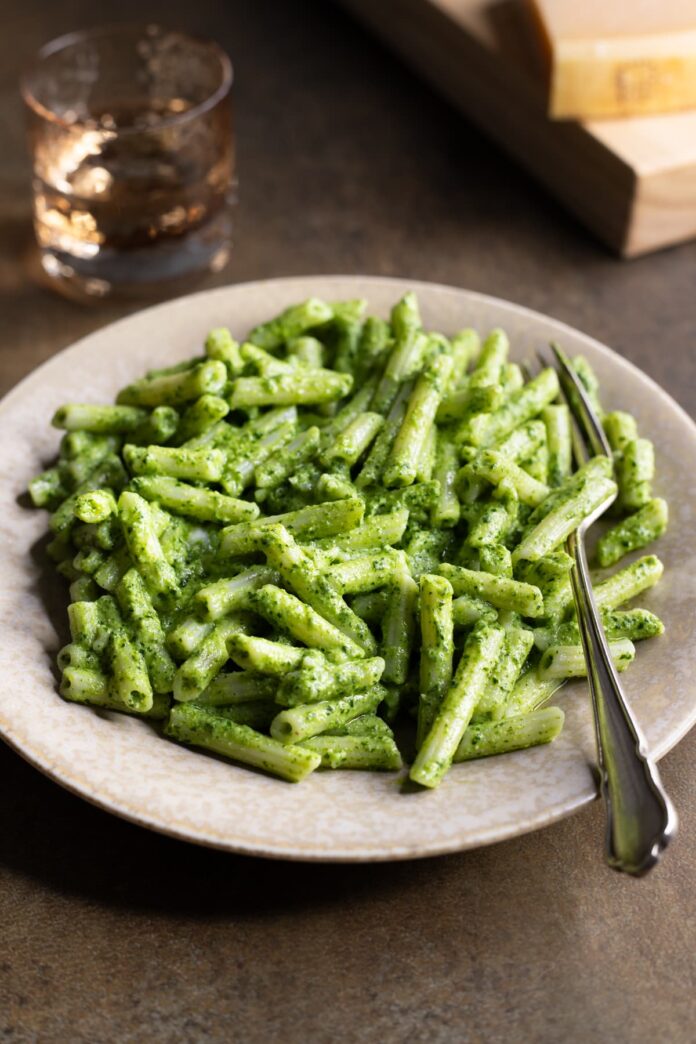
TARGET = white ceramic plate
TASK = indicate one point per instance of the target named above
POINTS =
(124, 766)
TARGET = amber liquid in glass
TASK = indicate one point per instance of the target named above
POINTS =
(129, 198)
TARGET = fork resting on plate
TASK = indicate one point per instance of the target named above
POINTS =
(640, 816)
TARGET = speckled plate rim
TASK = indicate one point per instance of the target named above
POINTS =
(46, 757)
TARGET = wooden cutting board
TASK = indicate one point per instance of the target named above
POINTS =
(631, 181)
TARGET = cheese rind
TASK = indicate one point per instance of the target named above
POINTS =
(626, 66)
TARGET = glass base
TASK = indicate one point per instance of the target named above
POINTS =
(162, 269)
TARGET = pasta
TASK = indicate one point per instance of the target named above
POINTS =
(280, 546)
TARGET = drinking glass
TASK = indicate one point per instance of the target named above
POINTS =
(133, 159)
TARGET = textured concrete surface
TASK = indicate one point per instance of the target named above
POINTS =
(108, 933)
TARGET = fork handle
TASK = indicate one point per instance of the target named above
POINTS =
(640, 817)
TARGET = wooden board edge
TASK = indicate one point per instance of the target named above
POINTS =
(664, 212)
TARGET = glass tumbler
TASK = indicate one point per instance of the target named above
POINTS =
(130, 133)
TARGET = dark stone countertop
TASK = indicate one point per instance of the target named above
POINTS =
(109, 933)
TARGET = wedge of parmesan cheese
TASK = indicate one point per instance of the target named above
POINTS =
(609, 58)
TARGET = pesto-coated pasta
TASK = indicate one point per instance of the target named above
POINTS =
(306, 530)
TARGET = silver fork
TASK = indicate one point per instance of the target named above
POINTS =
(641, 819)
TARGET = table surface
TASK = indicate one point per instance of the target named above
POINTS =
(110, 933)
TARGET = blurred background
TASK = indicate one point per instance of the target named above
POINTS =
(348, 162)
